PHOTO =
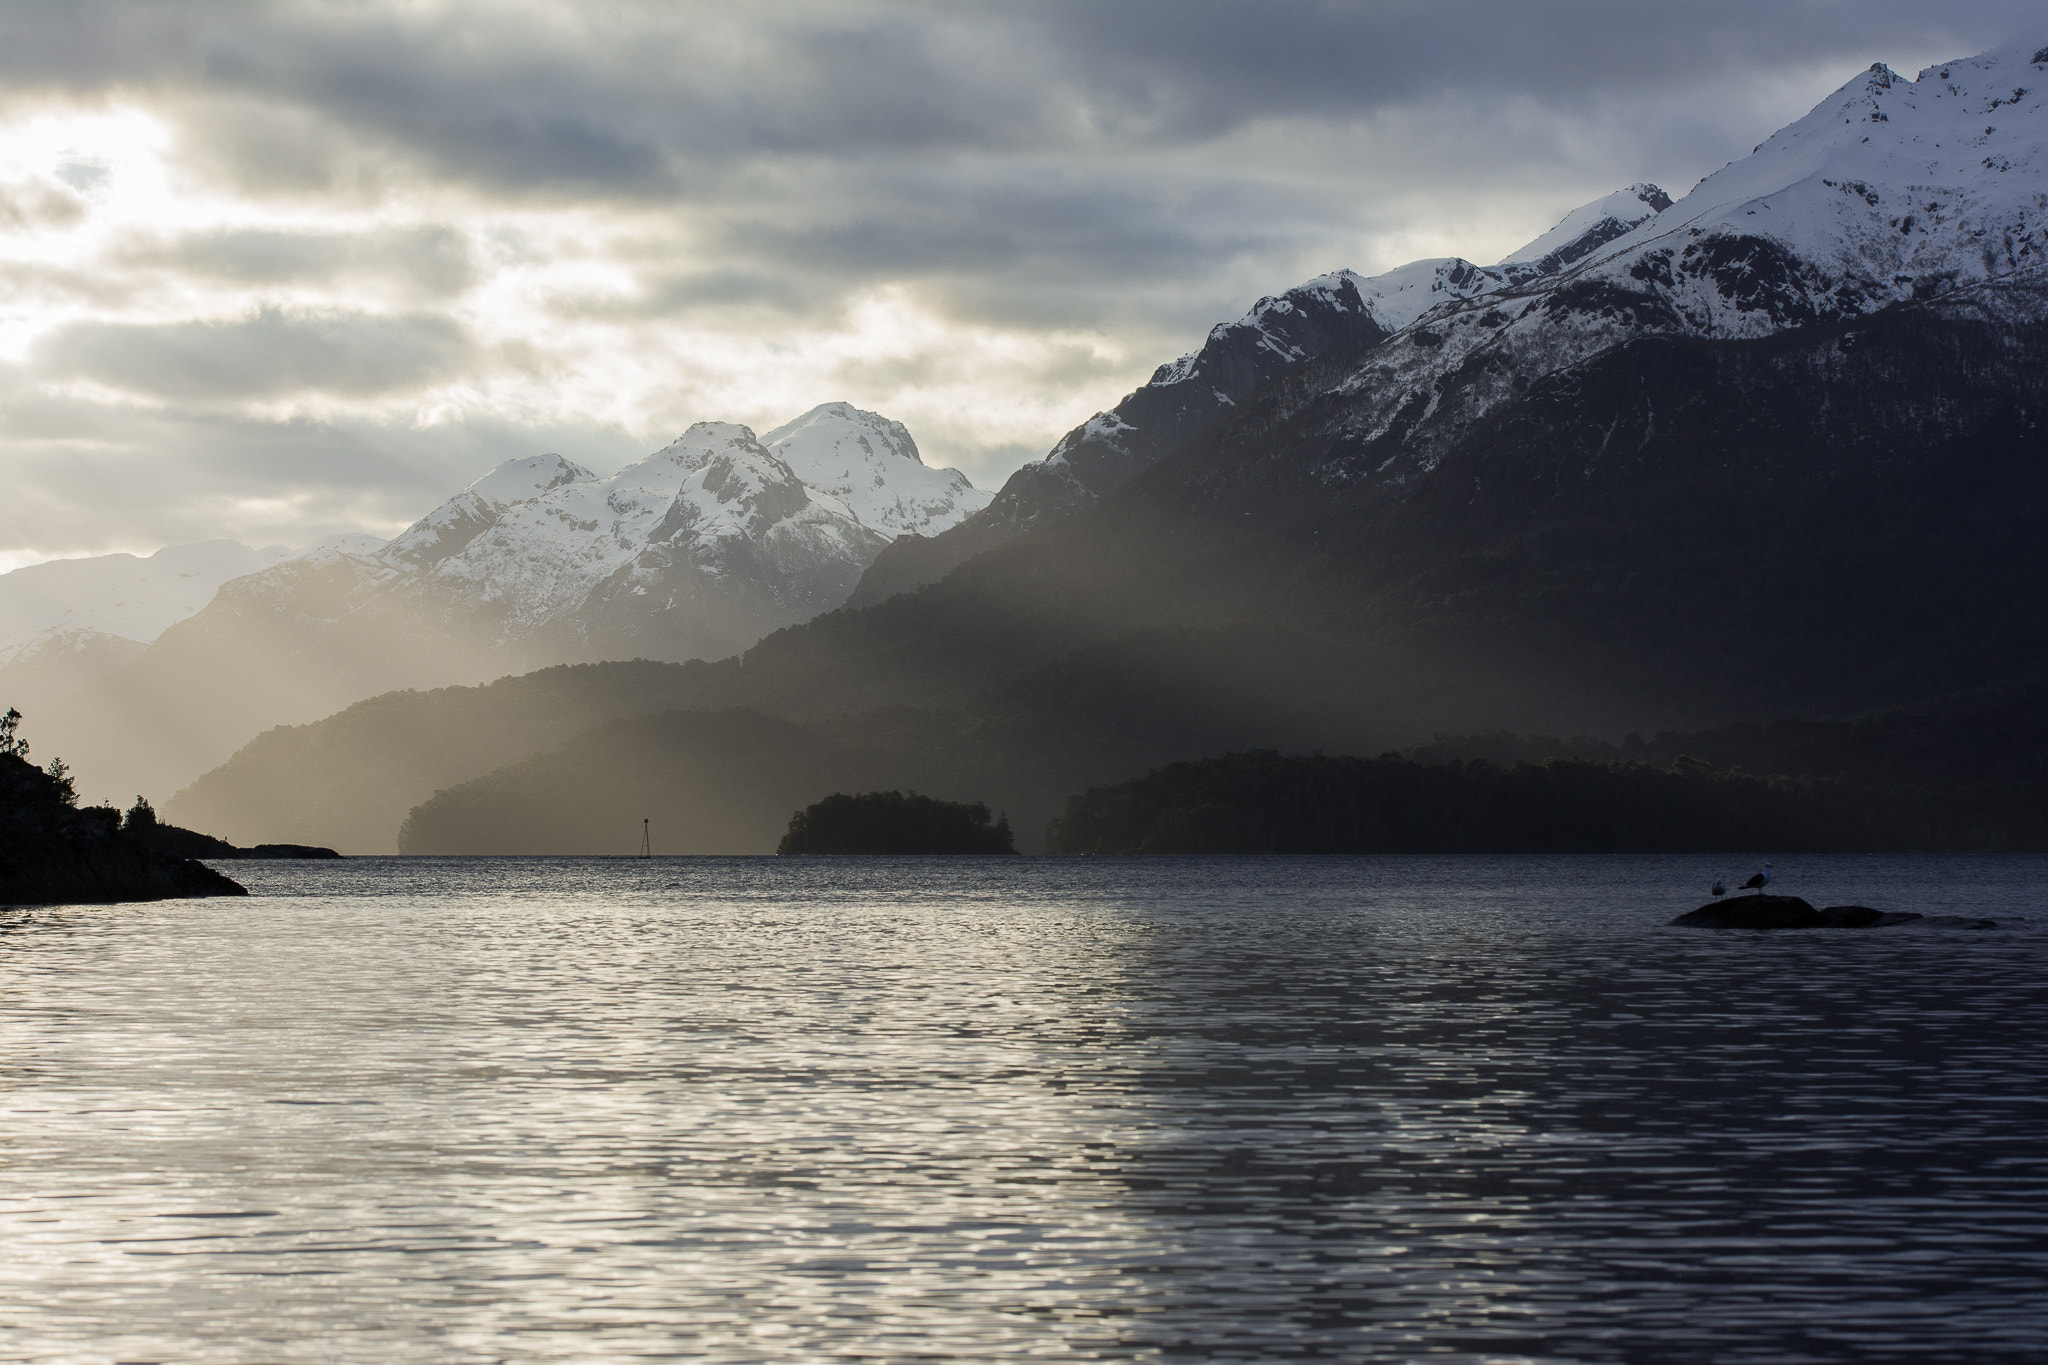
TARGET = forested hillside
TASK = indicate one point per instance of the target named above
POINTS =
(1271, 803)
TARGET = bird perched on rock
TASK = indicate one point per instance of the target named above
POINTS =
(1719, 888)
(1761, 880)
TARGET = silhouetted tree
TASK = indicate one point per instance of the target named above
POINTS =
(141, 817)
(60, 773)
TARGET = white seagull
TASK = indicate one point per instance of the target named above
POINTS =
(1761, 880)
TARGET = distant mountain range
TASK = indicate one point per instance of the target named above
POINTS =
(1774, 448)
(696, 551)
(67, 623)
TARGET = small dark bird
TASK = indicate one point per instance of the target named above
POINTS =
(1719, 888)
(1761, 880)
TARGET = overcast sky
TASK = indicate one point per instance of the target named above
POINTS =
(275, 271)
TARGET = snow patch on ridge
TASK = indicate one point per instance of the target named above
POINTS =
(1889, 189)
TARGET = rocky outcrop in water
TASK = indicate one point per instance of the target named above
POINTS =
(1789, 912)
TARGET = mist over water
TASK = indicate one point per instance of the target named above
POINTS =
(743, 1109)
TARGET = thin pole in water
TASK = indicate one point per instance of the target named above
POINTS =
(646, 846)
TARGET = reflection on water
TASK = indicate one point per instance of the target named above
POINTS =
(749, 1109)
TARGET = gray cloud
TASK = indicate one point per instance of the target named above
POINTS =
(1083, 235)
(32, 204)
(1097, 183)
(633, 97)
(264, 356)
(94, 476)
(425, 262)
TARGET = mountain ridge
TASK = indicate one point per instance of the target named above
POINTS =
(696, 550)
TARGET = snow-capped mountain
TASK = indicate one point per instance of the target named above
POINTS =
(1583, 231)
(709, 540)
(1888, 192)
(1777, 448)
(694, 552)
(66, 623)
(1339, 311)
(124, 595)
(871, 466)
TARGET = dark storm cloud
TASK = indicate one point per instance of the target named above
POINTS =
(633, 99)
(1195, 67)
(268, 355)
(1104, 231)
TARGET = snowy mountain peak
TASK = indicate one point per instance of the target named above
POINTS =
(1888, 190)
(693, 551)
(1587, 228)
(711, 436)
(528, 477)
(871, 465)
(831, 424)
(714, 481)
(1399, 296)
(702, 443)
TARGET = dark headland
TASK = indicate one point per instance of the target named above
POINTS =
(52, 853)
(143, 826)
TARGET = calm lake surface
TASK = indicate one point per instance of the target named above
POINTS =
(1485, 1109)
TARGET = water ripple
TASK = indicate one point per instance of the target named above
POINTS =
(1126, 1109)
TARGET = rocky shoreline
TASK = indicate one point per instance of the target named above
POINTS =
(54, 854)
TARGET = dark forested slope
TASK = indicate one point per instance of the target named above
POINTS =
(1274, 803)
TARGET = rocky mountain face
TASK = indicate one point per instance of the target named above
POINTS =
(1330, 314)
(694, 552)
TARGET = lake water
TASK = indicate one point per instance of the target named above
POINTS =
(1485, 1109)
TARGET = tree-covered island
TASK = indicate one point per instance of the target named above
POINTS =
(893, 822)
